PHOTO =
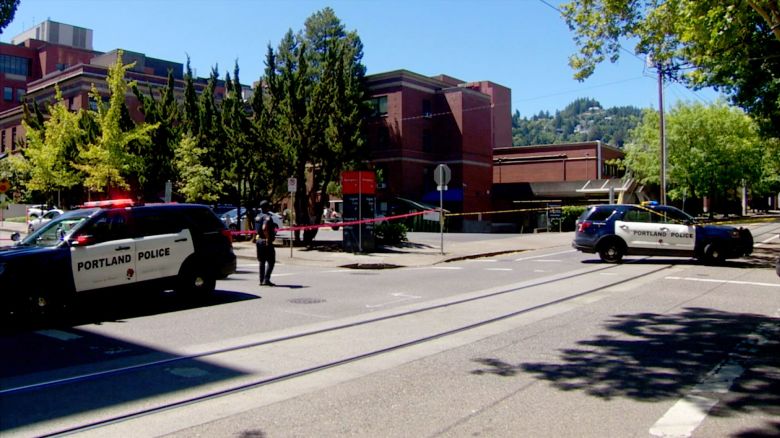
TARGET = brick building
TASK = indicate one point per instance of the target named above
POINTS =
(529, 177)
(420, 122)
(52, 54)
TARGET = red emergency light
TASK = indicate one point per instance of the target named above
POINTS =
(110, 203)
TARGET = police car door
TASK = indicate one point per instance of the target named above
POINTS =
(681, 233)
(103, 252)
(638, 230)
(162, 243)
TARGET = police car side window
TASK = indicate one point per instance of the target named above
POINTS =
(202, 220)
(673, 216)
(108, 227)
(601, 214)
(150, 222)
(636, 215)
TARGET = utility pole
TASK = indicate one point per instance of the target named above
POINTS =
(662, 148)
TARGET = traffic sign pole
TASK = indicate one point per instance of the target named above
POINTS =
(292, 186)
(441, 176)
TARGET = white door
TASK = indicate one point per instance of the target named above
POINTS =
(162, 255)
(640, 235)
(105, 254)
(103, 264)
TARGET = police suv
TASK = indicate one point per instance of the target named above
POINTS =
(112, 244)
(613, 231)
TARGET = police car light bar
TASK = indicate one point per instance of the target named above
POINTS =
(110, 203)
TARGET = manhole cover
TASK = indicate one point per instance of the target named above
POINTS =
(306, 300)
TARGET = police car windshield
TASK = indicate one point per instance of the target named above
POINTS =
(58, 229)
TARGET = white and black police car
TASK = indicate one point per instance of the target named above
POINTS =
(113, 244)
(613, 231)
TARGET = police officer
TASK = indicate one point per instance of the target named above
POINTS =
(266, 253)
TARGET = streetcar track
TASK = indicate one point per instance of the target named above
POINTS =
(181, 358)
(317, 368)
(136, 367)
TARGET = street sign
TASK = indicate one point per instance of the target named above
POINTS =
(292, 185)
(554, 211)
(442, 175)
(358, 182)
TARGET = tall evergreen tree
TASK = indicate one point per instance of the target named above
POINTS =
(159, 153)
(317, 80)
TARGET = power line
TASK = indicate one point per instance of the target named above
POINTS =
(620, 46)
(560, 93)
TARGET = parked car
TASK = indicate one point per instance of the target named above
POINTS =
(37, 222)
(613, 231)
(231, 221)
(37, 210)
(230, 218)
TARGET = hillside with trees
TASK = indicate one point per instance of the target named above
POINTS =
(582, 120)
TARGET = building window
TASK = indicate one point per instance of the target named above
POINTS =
(426, 108)
(13, 138)
(8, 94)
(20, 94)
(2, 142)
(378, 106)
(383, 137)
(427, 141)
(14, 65)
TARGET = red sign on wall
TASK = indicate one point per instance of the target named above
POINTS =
(358, 182)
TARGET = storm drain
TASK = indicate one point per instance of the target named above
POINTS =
(306, 300)
(370, 266)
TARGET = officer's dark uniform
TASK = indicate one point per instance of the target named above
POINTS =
(266, 253)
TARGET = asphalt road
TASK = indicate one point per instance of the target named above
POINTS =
(653, 347)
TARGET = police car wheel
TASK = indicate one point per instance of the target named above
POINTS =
(713, 254)
(43, 305)
(611, 252)
(195, 281)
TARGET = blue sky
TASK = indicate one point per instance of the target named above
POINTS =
(522, 44)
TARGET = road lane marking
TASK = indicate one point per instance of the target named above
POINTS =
(498, 269)
(521, 259)
(313, 315)
(770, 239)
(401, 298)
(59, 334)
(689, 412)
(443, 268)
(713, 280)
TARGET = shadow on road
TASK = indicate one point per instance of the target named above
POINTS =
(99, 308)
(652, 357)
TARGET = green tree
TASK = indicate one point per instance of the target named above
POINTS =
(731, 45)
(46, 160)
(240, 156)
(200, 156)
(7, 12)
(108, 161)
(159, 152)
(316, 79)
(196, 182)
(711, 150)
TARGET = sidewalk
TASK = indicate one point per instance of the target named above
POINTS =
(422, 249)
